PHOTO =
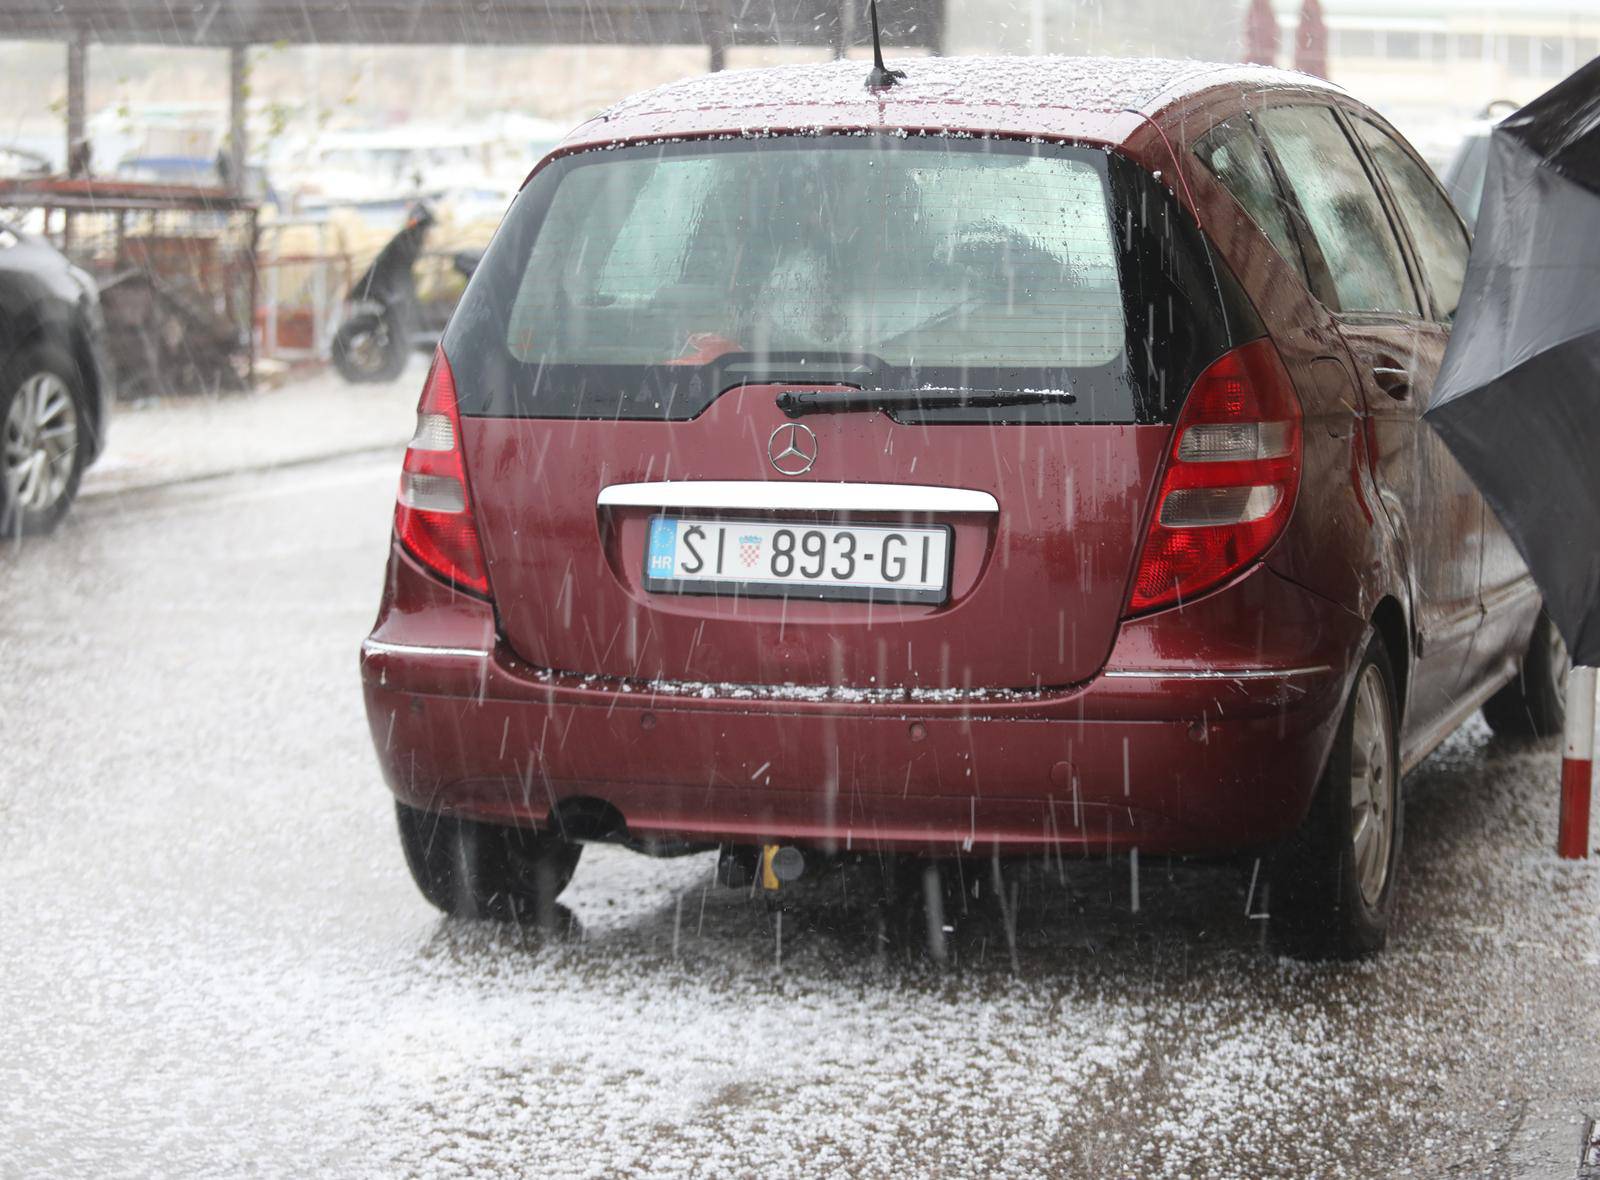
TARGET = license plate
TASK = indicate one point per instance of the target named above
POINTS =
(881, 563)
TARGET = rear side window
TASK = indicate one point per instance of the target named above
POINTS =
(643, 282)
(1233, 154)
(1342, 208)
(1436, 232)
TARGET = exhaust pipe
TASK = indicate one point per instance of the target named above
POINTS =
(781, 866)
(771, 866)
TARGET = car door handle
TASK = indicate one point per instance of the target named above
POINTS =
(1395, 382)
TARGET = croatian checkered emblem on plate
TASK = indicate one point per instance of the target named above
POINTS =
(750, 551)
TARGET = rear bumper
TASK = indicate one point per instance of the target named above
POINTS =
(1199, 756)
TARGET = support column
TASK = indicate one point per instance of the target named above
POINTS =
(238, 133)
(1577, 766)
(716, 22)
(77, 102)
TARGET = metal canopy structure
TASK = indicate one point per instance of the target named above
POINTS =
(222, 24)
(235, 25)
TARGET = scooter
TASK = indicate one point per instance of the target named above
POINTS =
(374, 341)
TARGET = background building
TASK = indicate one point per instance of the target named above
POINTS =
(1431, 64)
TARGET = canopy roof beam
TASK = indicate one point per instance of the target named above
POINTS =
(223, 24)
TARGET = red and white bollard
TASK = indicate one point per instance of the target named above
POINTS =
(1577, 766)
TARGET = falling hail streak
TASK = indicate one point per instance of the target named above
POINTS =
(1008, 912)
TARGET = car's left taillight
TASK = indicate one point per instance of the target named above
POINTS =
(1230, 480)
(433, 511)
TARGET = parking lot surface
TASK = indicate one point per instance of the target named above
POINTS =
(215, 963)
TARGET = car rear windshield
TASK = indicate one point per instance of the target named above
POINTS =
(643, 282)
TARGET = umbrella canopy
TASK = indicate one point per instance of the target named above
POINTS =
(1518, 396)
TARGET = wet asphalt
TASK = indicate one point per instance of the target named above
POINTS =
(212, 961)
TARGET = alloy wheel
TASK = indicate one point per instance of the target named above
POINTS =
(1373, 783)
(40, 443)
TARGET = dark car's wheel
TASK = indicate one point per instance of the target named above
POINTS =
(1534, 705)
(477, 870)
(369, 347)
(43, 437)
(1333, 881)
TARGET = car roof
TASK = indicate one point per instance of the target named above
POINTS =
(1101, 99)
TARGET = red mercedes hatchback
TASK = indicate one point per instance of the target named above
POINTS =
(1025, 458)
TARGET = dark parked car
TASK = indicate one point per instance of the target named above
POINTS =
(1024, 459)
(55, 383)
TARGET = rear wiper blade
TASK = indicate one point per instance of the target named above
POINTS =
(797, 403)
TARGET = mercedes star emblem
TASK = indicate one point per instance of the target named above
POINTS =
(792, 448)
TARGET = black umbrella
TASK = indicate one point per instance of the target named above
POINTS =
(1518, 396)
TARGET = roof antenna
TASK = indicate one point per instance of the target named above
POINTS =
(881, 77)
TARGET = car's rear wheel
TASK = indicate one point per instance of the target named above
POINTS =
(1534, 705)
(43, 430)
(477, 870)
(1333, 882)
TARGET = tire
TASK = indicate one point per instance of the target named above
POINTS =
(1534, 705)
(476, 870)
(1333, 881)
(371, 348)
(44, 439)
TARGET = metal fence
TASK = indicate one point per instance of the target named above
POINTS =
(176, 267)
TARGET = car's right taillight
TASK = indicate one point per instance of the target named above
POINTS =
(433, 511)
(1230, 479)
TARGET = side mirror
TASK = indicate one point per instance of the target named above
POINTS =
(466, 261)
